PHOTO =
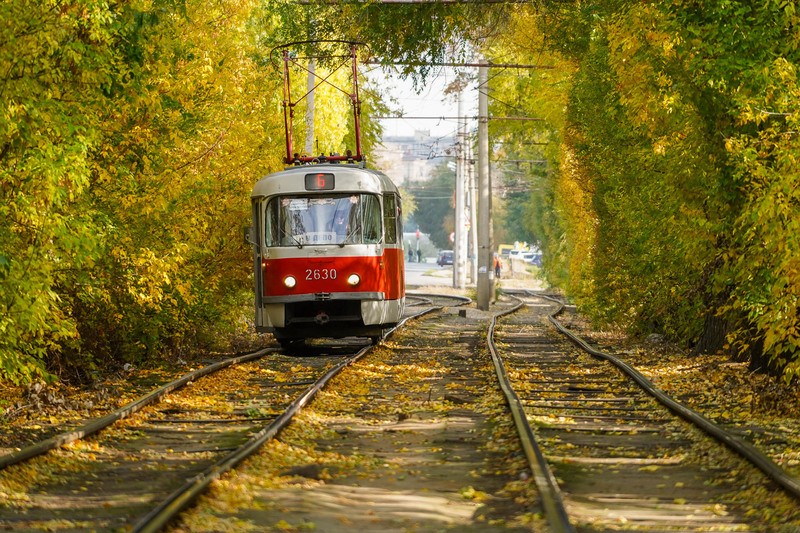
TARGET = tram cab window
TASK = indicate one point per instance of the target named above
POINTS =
(372, 219)
(392, 218)
(271, 227)
(318, 220)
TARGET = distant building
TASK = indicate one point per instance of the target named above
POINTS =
(409, 160)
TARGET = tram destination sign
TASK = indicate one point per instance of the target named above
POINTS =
(320, 181)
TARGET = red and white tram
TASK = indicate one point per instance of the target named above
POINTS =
(328, 252)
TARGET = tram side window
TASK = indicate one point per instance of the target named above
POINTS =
(271, 227)
(391, 222)
(399, 217)
(372, 219)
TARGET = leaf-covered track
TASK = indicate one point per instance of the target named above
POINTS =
(171, 506)
(130, 467)
(749, 452)
(134, 463)
(93, 426)
(619, 456)
(412, 437)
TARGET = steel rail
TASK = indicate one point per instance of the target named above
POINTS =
(103, 422)
(419, 300)
(184, 496)
(464, 300)
(179, 500)
(549, 491)
(746, 450)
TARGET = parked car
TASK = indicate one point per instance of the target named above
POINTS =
(445, 258)
(533, 258)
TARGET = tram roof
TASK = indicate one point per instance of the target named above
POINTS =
(349, 178)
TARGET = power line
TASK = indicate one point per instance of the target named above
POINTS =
(524, 143)
(404, 2)
(488, 64)
(537, 119)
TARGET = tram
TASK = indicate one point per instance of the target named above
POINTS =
(328, 253)
(327, 237)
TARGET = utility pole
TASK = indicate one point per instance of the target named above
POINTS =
(461, 230)
(484, 222)
(473, 217)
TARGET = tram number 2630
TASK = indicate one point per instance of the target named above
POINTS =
(313, 274)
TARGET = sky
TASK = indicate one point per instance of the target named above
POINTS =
(430, 102)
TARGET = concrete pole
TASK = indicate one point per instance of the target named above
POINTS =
(473, 217)
(485, 270)
(460, 252)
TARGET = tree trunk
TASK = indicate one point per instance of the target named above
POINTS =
(712, 340)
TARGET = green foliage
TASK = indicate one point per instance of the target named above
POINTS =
(534, 212)
(510, 219)
(55, 63)
(681, 129)
(130, 136)
(435, 214)
(413, 34)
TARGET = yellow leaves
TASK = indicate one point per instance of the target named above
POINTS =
(649, 468)
(718, 509)
(470, 493)
(283, 525)
(150, 277)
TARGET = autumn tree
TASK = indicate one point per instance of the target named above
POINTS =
(435, 200)
(683, 137)
(57, 63)
(130, 134)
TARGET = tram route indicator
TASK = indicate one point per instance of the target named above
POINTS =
(320, 181)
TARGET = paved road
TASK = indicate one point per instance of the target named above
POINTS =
(424, 274)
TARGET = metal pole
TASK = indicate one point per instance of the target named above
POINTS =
(356, 103)
(288, 109)
(312, 80)
(485, 270)
(473, 217)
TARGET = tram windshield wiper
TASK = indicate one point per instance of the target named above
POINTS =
(348, 237)
(296, 242)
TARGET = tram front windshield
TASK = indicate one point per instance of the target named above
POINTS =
(338, 219)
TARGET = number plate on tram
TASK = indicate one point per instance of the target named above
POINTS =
(313, 274)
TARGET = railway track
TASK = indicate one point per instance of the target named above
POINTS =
(413, 437)
(147, 461)
(609, 450)
(136, 465)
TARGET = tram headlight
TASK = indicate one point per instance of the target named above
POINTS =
(290, 282)
(353, 279)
